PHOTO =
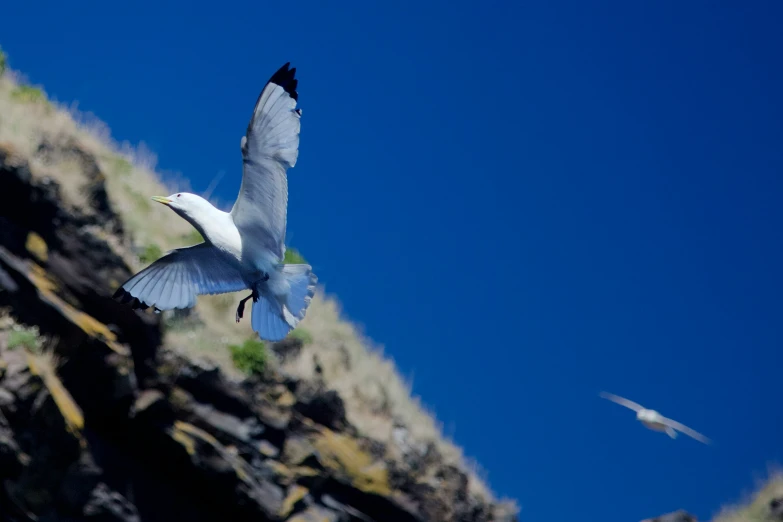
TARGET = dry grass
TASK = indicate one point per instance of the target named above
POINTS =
(130, 181)
(377, 397)
(130, 177)
(755, 507)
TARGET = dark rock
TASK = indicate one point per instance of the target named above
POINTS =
(11, 459)
(316, 514)
(268, 449)
(207, 386)
(276, 419)
(78, 483)
(7, 400)
(106, 505)
(377, 507)
(11, 507)
(348, 511)
(95, 186)
(411, 461)
(52, 449)
(19, 382)
(299, 451)
(442, 495)
(324, 407)
(151, 407)
(85, 266)
(7, 283)
(451, 478)
(157, 436)
(376, 449)
(268, 497)
(228, 425)
(287, 349)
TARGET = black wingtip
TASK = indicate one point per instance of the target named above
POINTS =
(125, 297)
(122, 296)
(284, 77)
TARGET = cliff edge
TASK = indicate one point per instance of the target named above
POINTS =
(107, 413)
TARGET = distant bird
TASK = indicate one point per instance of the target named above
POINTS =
(654, 420)
(244, 248)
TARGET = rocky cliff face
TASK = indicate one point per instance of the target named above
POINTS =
(103, 423)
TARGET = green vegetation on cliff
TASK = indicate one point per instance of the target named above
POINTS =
(250, 356)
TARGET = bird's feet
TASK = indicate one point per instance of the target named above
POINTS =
(241, 307)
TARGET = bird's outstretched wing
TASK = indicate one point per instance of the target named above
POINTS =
(622, 401)
(174, 280)
(269, 147)
(686, 430)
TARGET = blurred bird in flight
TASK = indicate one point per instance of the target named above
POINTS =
(654, 420)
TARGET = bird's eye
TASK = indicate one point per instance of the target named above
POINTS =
(179, 195)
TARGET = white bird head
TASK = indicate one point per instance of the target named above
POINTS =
(185, 204)
(192, 208)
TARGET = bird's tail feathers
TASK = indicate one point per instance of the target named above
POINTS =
(272, 321)
(267, 321)
(671, 432)
(301, 282)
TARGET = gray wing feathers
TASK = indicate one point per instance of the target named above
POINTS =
(174, 280)
(621, 401)
(686, 430)
(269, 148)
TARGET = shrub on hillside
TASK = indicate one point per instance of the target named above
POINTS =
(27, 94)
(293, 257)
(150, 253)
(303, 335)
(122, 166)
(250, 357)
(22, 337)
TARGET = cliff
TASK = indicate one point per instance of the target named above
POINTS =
(107, 413)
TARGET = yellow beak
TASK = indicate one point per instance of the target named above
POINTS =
(161, 199)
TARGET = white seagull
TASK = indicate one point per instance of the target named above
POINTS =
(242, 249)
(654, 420)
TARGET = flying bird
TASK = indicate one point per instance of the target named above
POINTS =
(654, 420)
(242, 249)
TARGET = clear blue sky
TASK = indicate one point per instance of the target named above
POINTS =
(525, 204)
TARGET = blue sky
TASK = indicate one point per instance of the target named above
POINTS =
(525, 204)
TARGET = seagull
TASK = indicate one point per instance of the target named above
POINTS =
(242, 249)
(654, 420)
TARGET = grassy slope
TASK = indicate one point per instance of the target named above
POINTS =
(376, 396)
(754, 507)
